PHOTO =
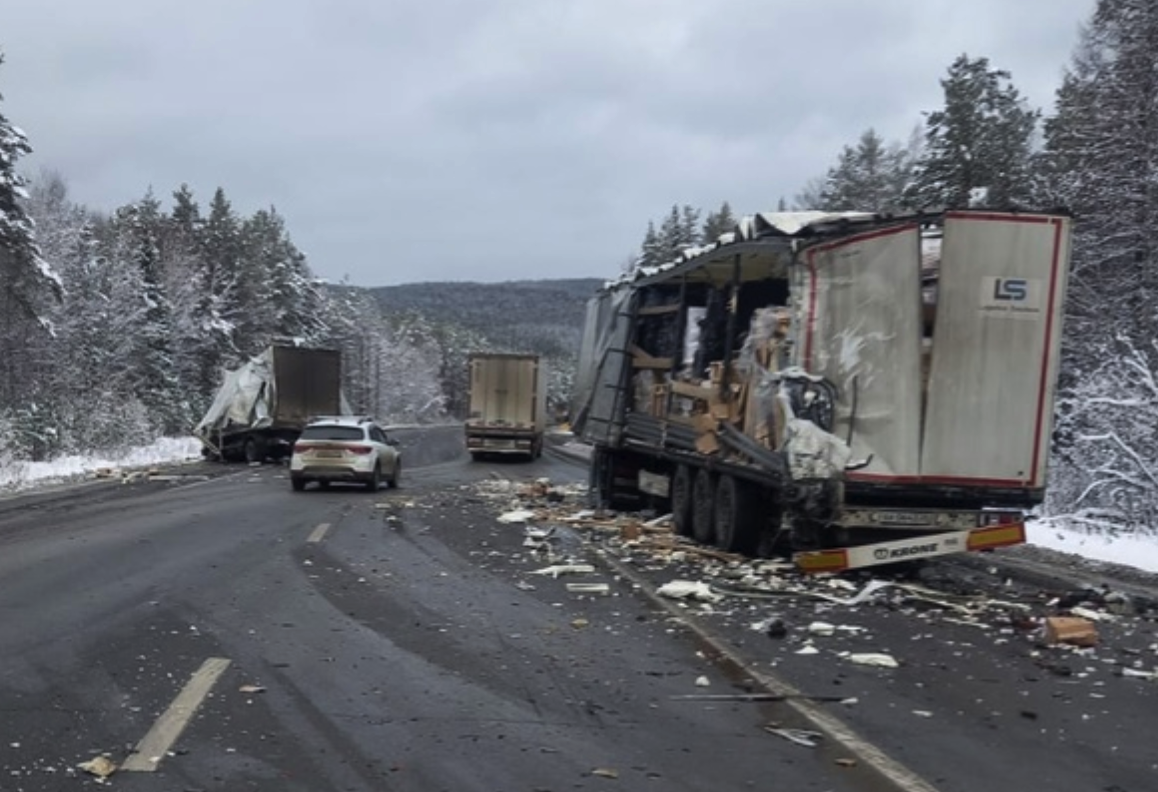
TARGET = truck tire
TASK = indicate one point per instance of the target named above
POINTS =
(737, 516)
(254, 450)
(681, 500)
(599, 479)
(703, 507)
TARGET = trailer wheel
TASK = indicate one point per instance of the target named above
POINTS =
(703, 507)
(254, 450)
(737, 516)
(681, 500)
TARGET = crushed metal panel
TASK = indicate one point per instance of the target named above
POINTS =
(601, 398)
(585, 373)
(996, 342)
(861, 309)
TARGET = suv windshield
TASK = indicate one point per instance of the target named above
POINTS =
(333, 433)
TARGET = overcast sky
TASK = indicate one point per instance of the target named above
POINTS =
(489, 139)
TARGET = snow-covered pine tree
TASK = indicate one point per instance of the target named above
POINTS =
(869, 177)
(651, 251)
(207, 329)
(718, 222)
(28, 285)
(978, 146)
(1100, 159)
(279, 297)
(157, 383)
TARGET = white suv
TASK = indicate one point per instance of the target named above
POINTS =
(345, 448)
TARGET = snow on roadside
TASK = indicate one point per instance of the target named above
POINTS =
(17, 475)
(1140, 552)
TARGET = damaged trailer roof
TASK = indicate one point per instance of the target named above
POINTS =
(766, 243)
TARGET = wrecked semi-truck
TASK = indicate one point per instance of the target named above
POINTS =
(508, 405)
(263, 405)
(861, 389)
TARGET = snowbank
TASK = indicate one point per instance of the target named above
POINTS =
(1140, 552)
(16, 475)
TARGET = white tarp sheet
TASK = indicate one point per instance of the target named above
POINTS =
(242, 399)
(861, 309)
(995, 348)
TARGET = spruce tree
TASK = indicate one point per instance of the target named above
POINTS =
(978, 146)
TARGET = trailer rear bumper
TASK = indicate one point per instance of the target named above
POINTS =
(912, 549)
(502, 441)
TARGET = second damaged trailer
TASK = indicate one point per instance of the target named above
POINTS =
(861, 389)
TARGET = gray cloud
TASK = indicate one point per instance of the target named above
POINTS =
(505, 139)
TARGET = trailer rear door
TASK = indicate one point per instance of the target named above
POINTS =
(996, 344)
(862, 312)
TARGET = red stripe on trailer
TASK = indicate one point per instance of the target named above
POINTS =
(1057, 231)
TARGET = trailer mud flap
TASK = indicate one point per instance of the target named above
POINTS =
(928, 546)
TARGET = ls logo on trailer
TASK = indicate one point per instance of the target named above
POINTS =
(1011, 289)
(1013, 298)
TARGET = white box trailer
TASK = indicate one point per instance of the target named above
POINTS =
(263, 405)
(507, 406)
(813, 378)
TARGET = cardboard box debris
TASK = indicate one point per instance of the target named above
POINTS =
(99, 766)
(1072, 630)
(707, 444)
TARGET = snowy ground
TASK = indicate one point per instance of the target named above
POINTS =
(1139, 552)
(15, 475)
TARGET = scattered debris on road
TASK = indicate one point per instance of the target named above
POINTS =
(100, 766)
(589, 588)
(805, 737)
(874, 659)
(814, 615)
(688, 589)
(1073, 630)
(517, 516)
(555, 570)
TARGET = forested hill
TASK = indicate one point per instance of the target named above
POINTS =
(487, 307)
(543, 317)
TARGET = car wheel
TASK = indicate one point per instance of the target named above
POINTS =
(375, 481)
(298, 483)
(396, 476)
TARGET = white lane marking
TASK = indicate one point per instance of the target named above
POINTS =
(897, 773)
(173, 721)
(319, 533)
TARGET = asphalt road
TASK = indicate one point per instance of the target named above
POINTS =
(344, 640)
(245, 637)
